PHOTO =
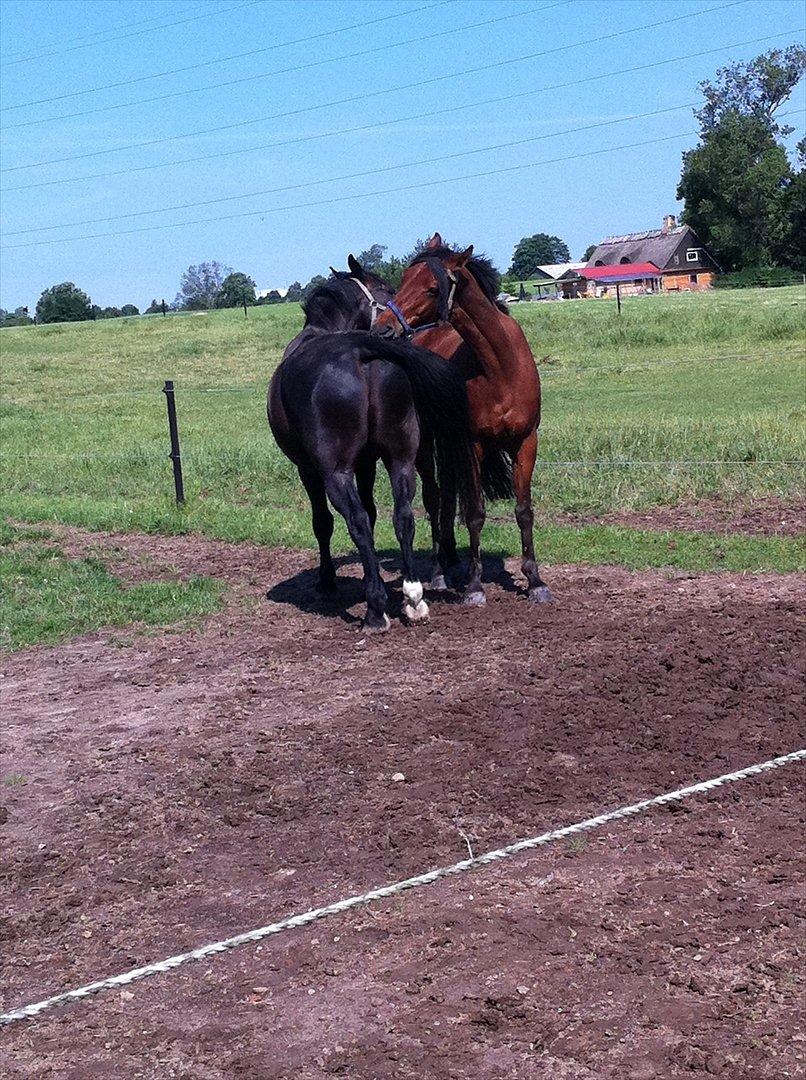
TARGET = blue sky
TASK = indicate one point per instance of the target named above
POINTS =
(580, 200)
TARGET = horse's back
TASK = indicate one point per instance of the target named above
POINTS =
(326, 405)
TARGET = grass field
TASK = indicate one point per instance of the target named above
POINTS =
(715, 378)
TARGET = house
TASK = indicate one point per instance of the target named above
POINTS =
(632, 279)
(548, 277)
(674, 249)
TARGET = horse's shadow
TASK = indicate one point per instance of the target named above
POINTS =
(300, 590)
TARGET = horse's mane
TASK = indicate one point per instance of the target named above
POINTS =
(482, 269)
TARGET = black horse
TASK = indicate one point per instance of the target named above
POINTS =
(341, 401)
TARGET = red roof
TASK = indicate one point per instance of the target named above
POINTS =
(620, 272)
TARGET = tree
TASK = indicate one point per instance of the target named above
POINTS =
(110, 313)
(155, 307)
(200, 286)
(793, 248)
(294, 293)
(236, 290)
(589, 250)
(740, 192)
(63, 303)
(733, 187)
(272, 297)
(18, 317)
(538, 250)
(372, 258)
(129, 309)
(753, 88)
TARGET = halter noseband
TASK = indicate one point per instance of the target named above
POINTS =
(406, 327)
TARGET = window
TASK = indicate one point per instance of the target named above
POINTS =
(692, 279)
(623, 260)
(693, 255)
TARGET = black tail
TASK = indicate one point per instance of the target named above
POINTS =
(496, 475)
(440, 397)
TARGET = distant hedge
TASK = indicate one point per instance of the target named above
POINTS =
(758, 277)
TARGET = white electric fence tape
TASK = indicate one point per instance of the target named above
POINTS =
(28, 1011)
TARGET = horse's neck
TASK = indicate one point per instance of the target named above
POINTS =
(484, 328)
(337, 319)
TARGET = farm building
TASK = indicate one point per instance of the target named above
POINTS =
(674, 249)
(633, 279)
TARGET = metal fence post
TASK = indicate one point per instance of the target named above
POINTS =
(174, 455)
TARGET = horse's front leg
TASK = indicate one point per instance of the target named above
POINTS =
(523, 466)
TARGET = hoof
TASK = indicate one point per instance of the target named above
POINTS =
(417, 613)
(541, 595)
(474, 599)
(374, 625)
(438, 583)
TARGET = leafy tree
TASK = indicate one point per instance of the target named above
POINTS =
(18, 317)
(236, 290)
(129, 309)
(272, 297)
(589, 250)
(538, 250)
(110, 313)
(741, 194)
(753, 88)
(294, 293)
(200, 286)
(155, 307)
(63, 303)
(734, 189)
(372, 258)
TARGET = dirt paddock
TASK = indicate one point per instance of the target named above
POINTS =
(175, 788)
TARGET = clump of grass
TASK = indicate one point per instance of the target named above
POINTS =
(47, 597)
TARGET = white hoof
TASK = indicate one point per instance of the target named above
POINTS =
(413, 591)
(438, 583)
(378, 629)
(416, 612)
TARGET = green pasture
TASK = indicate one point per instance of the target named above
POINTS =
(46, 596)
(713, 383)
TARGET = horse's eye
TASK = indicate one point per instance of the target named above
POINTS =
(433, 292)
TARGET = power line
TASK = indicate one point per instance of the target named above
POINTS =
(396, 89)
(365, 195)
(135, 33)
(357, 175)
(354, 198)
(377, 124)
(304, 67)
(99, 33)
(224, 59)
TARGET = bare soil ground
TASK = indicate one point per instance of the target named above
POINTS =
(761, 517)
(181, 788)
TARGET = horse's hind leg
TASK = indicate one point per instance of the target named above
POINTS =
(365, 481)
(401, 473)
(431, 502)
(523, 464)
(476, 516)
(343, 493)
(322, 521)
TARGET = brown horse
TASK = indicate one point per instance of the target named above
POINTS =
(442, 286)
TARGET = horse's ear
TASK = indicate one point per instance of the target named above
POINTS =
(334, 271)
(464, 257)
(435, 242)
(356, 269)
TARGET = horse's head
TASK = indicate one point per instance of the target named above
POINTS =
(427, 291)
(375, 293)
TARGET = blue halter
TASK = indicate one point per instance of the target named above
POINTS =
(409, 330)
